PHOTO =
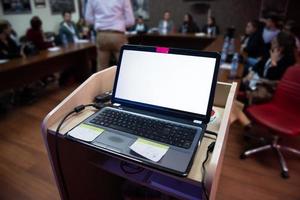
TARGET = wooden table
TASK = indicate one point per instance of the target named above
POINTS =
(20, 71)
(177, 40)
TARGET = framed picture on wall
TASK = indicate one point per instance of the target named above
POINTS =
(16, 6)
(58, 6)
(141, 8)
(40, 3)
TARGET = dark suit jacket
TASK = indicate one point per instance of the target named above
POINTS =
(9, 51)
(255, 45)
(190, 28)
(170, 26)
(65, 32)
(144, 31)
(205, 28)
(276, 72)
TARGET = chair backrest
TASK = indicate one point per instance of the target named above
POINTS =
(287, 94)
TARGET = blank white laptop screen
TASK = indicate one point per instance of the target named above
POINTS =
(179, 82)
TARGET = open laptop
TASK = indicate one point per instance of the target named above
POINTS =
(162, 95)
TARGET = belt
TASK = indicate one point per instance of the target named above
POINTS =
(110, 31)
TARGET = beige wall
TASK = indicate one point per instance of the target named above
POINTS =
(21, 22)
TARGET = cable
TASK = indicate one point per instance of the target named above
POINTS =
(77, 109)
(211, 133)
(210, 149)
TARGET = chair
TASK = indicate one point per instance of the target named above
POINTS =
(281, 116)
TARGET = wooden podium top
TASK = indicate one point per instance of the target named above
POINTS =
(103, 81)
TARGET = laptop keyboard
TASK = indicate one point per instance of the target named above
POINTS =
(157, 130)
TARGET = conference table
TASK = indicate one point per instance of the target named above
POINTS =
(20, 71)
(177, 40)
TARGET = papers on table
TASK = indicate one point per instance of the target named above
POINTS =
(82, 41)
(148, 149)
(85, 132)
(200, 34)
(3, 61)
(225, 66)
(54, 49)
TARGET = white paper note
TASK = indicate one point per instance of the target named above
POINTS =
(85, 132)
(148, 149)
(225, 66)
(54, 49)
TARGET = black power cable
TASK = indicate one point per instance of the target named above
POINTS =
(77, 109)
(210, 149)
(211, 133)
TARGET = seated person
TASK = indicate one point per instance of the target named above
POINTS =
(84, 29)
(8, 47)
(12, 33)
(188, 25)
(140, 26)
(252, 44)
(293, 29)
(68, 31)
(36, 35)
(211, 27)
(166, 25)
(270, 31)
(266, 73)
(282, 56)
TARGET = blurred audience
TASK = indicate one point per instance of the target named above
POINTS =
(140, 26)
(270, 31)
(12, 33)
(36, 35)
(252, 44)
(211, 28)
(68, 31)
(292, 28)
(166, 25)
(270, 69)
(188, 25)
(84, 29)
(9, 49)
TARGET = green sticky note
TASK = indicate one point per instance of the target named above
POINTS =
(86, 132)
(148, 142)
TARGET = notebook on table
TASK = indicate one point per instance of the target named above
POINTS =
(162, 101)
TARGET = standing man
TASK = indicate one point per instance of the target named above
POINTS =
(110, 18)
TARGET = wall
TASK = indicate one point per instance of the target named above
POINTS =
(21, 22)
(227, 12)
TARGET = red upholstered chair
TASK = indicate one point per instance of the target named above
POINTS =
(281, 116)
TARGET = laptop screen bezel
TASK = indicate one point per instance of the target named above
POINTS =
(163, 110)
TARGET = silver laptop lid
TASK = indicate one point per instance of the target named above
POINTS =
(179, 82)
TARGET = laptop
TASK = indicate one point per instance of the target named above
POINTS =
(163, 96)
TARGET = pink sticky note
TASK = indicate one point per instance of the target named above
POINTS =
(162, 50)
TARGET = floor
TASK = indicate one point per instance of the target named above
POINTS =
(25, 171)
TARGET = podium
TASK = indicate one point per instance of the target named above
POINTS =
(89, 173)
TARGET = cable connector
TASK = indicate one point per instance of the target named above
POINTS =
(79, 108)
(211, 147)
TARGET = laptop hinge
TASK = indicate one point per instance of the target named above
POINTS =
(197, 121)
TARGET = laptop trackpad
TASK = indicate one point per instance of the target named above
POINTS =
(114, 141)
